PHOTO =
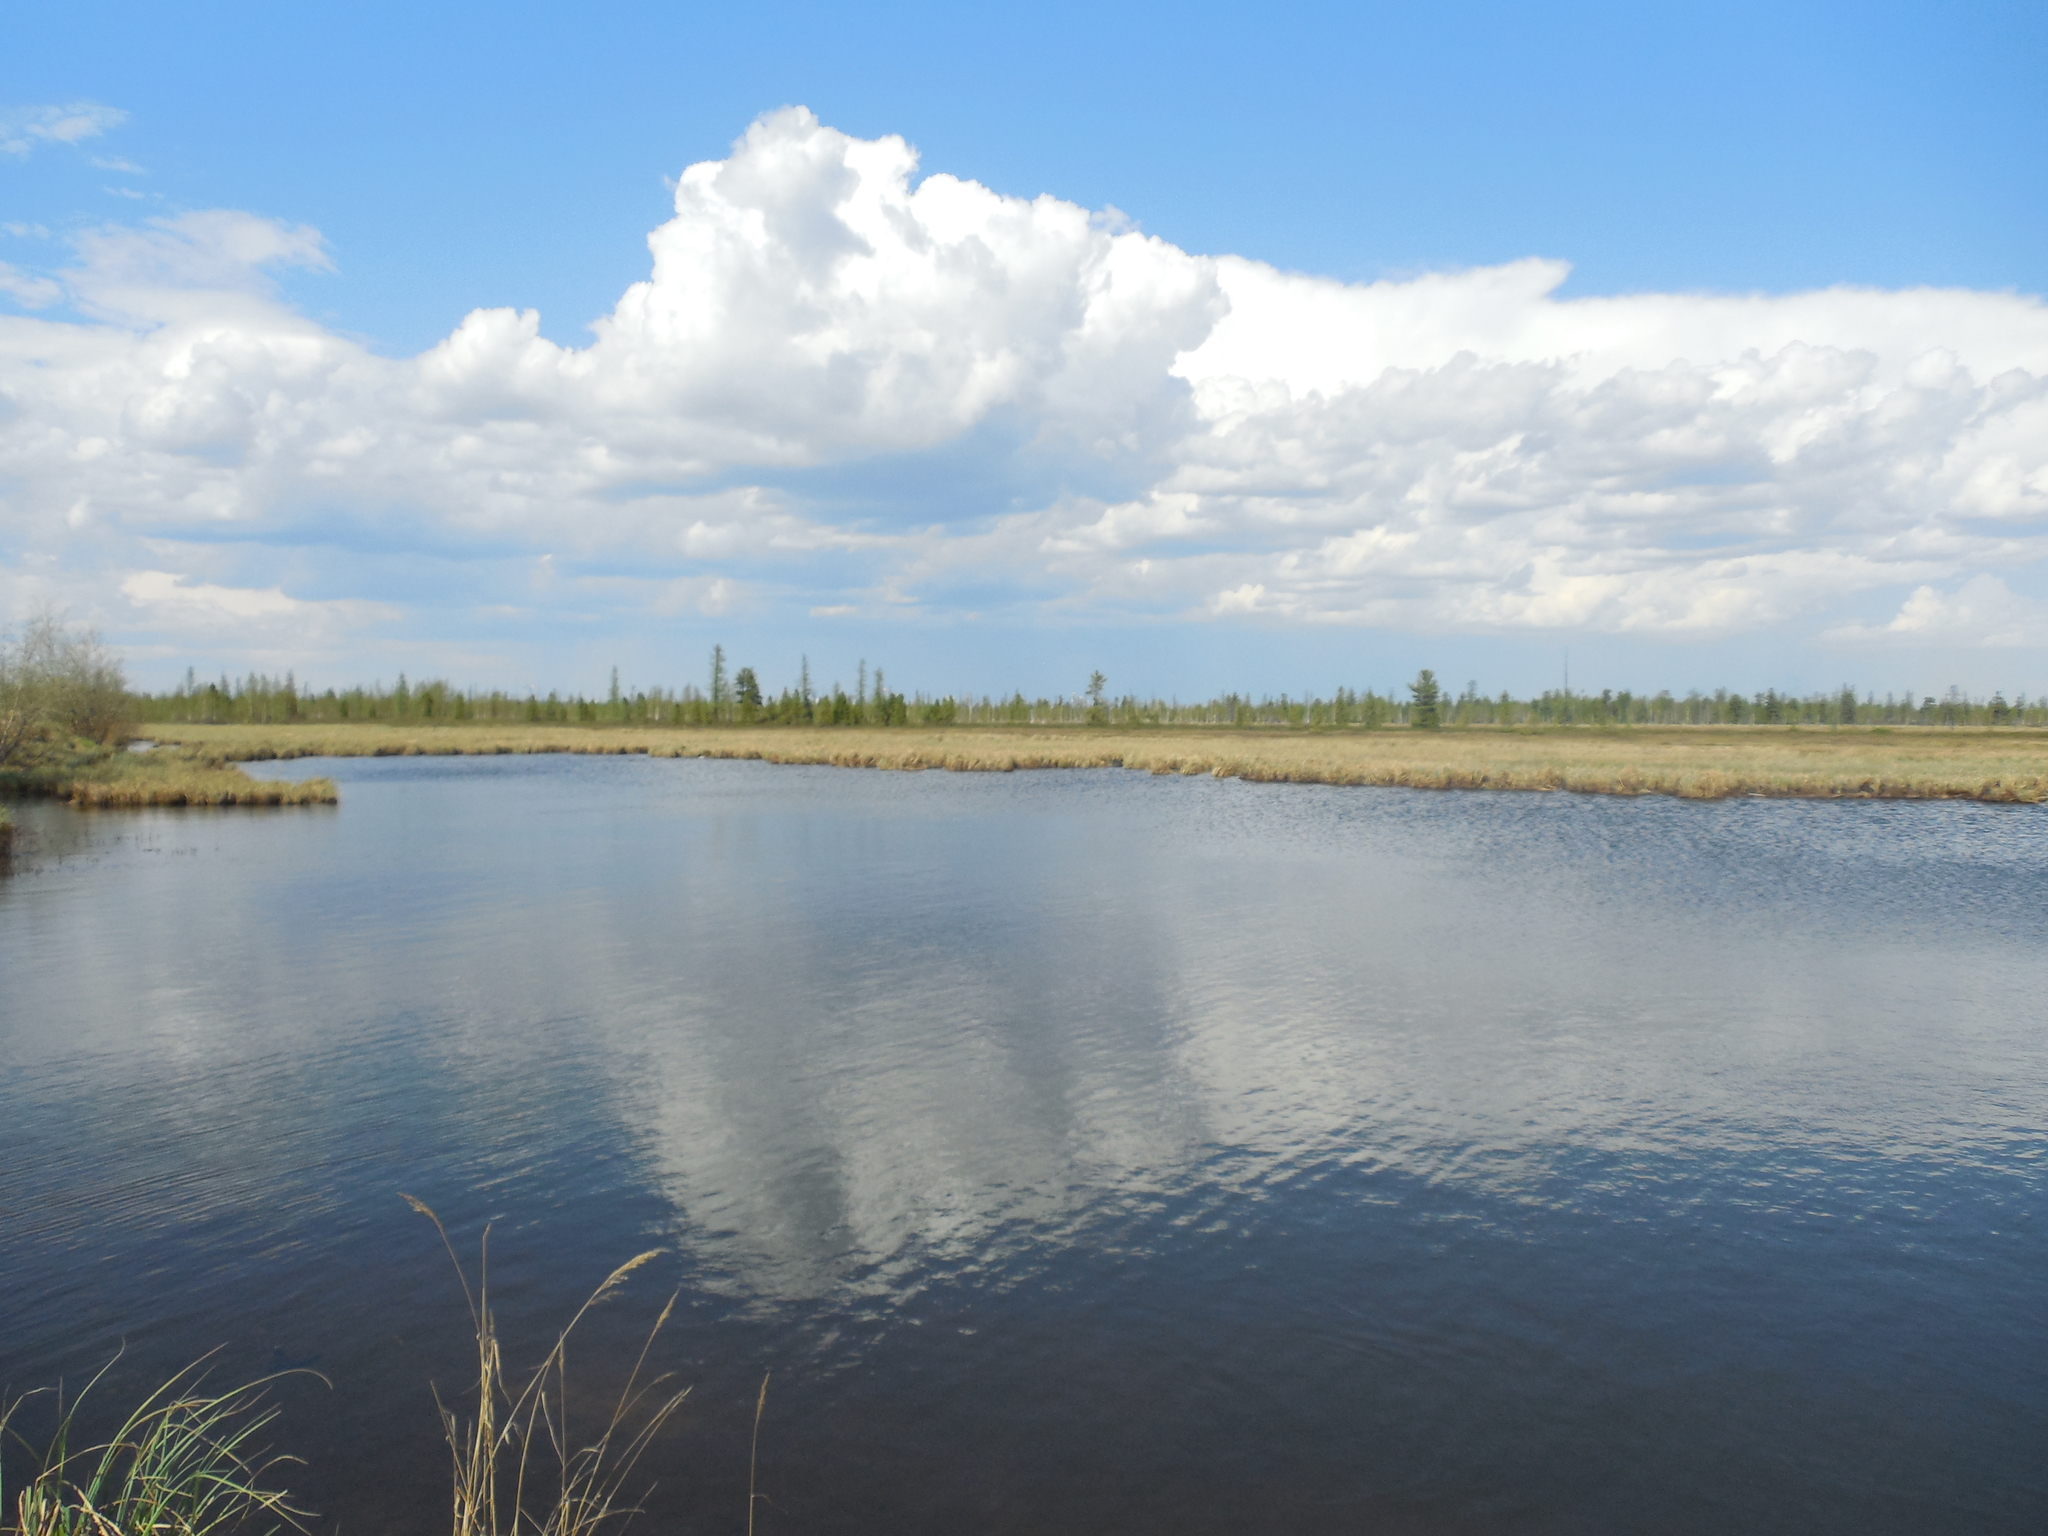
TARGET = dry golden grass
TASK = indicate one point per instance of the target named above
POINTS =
(493, 1449)
(1702, 762)
(195, 783)
(105, 780)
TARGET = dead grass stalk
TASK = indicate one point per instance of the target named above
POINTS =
(492, 1451)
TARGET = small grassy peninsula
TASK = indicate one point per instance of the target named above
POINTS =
(1693, 762)
(65, 719)
(95, 776)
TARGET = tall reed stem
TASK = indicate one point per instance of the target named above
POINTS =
(492, 1454)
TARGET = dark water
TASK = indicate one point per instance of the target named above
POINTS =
(1082, 1152)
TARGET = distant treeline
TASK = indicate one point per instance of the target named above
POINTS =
(738, 698)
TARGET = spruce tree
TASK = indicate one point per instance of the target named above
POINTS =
(1423, 713)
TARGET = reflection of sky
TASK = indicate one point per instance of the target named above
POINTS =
(856, 1019)
(857, 1045)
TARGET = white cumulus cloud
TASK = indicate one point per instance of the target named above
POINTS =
(861, 386)
(808, 302)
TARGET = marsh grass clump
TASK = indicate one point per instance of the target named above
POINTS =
(183, 778)
(92, 775)
(576, 1486)
(183, 1463)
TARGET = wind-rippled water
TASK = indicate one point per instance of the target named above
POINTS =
(1082, 1151)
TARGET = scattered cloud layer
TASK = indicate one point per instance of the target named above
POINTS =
(847, 389)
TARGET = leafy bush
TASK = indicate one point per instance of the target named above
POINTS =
(58, 685)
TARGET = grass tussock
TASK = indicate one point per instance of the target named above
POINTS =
(1696, 762)
(183, 1463)
(577, 1486)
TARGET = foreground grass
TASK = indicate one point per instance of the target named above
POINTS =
(185, 1461)
(1698, 762)
(110, 778)
(493, 1448)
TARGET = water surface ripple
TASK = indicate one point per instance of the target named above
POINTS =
(1083, 1151)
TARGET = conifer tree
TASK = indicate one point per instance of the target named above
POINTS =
(1423, 712)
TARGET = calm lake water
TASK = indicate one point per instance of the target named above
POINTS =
(1080, 1151)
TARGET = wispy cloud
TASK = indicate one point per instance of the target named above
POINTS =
(22, 129)
(29, 291)
(181, 604)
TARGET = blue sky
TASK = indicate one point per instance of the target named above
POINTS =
(1272, 514)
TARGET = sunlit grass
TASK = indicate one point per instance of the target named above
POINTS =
(1693, 762)
(183, 1463)
(103, 778)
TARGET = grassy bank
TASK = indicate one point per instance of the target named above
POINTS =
(104, 777)
(1698, 762)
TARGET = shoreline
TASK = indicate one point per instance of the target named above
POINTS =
(1686, 762)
